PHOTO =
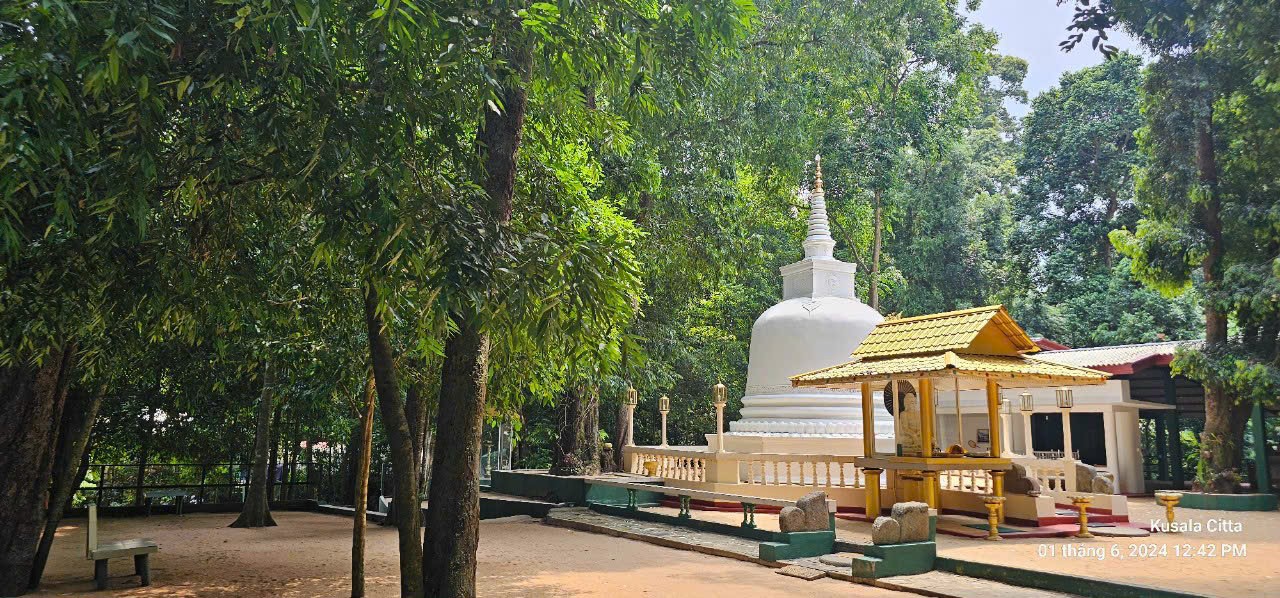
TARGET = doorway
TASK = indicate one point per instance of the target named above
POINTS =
(1087, 435)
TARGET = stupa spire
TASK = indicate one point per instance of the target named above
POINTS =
(818, 244)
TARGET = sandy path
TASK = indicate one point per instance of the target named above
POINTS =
(309, 555)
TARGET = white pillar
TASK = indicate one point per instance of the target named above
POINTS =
(719, 428)
(631, 425)
(1026, 434)
(1109, 436)
(664, 428)
(1068, 455)
(1006, 436)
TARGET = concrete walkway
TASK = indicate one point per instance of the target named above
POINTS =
(935, 583)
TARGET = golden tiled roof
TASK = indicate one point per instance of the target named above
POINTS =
(948, 362)
(949, 331)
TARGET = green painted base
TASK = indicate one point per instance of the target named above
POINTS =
(759, 535)
(798, 545)
(575, 490)
(895, 559)
(540, 485)
(1229, 502)
(1054, 582)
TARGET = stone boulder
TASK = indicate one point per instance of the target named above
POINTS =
(1016, 481)
(1085, 474)
(791, 519)
(886, 530)
(816, 516)
(913, 520)
(1103, 485)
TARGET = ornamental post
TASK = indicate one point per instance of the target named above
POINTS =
(664, 406)
(720, 397)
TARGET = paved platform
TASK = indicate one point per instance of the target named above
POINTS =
(935, 583)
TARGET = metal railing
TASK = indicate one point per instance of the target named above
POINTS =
(324, 479)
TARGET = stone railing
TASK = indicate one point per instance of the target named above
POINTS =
(977, 481)
(697, 464)
(672, 463)
(1054, 454)
(1051, 473)
(831, 471)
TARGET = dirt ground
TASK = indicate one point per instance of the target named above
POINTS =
(1203, 562)
(309, 555)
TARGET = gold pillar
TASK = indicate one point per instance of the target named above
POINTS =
(993, 416)
(871, 492)
(926, 417)
(930, 488)
(997, 489)
(868, 424)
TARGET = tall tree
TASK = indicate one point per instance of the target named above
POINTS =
(1202, 196)
(256, 511)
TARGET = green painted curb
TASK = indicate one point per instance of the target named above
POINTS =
(1055, 582)
(888, 560)
(1228, 502)
(759, 535)
(798, 545)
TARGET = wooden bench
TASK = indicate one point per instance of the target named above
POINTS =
(139, 549)
(179, 498)
(685, 494)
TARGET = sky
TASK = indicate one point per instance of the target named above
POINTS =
(1031, 29)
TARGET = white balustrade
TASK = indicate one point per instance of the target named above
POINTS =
(1049, 472)
(829, 471)
(672, 464)
(977, 481)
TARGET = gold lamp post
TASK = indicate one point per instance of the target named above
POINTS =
(1028, 405)
(664, 407)
(1065, 400)
(633, 399)
(719, 396)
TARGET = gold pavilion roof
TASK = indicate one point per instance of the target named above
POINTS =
(949, 363)
(949, 331)
(976, 343)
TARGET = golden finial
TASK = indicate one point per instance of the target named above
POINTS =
(818, 168)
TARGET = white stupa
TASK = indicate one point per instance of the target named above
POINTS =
(818, 324)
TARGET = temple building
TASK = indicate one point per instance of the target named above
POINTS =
(818, 323)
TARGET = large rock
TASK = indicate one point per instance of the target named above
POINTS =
(886, 530)
(1016, 481)
(816, 516)
(1085, 474)
(791, 519)
(913, 519)
(1103, 485)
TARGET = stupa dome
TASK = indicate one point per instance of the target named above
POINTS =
(818, 324)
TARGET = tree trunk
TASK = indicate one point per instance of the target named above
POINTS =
(70, 463)
(453, 505)
(877, 242)
(31, 404)
(361, 491)
(350, 458)
(590, 452)
(400, 441)
(415, 410)
(453, 514)
(622, 437)
(146, 426)
(428, 443)
(577, 447)
(566, 453)
(257, 506)
(274, 470)
(1224, 420)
